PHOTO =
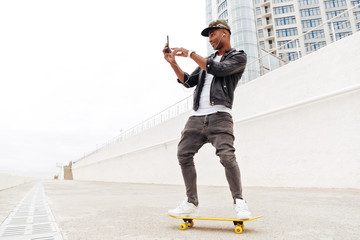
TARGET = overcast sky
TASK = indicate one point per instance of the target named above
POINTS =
(74, 73)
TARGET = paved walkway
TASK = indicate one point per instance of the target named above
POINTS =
(96, 210)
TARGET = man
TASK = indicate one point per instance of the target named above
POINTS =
(215, 79)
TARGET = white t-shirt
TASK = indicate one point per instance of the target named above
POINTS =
(205, 107)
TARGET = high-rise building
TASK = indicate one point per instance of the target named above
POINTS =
(279, 21)
(240, 16)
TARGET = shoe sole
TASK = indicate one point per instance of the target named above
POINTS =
(185, 215)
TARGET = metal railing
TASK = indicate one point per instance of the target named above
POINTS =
(186, 104)
(165, 115)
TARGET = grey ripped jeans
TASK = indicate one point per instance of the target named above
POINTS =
(217, 129)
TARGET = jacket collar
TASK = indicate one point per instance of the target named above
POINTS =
(227, 52)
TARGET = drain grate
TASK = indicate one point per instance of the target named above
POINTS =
(18, 221)
(42, 219)
(31, 219)
(44, 238)
(14, 231)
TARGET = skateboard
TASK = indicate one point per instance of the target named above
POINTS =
(239, 223)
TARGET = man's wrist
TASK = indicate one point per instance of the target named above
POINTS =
(190, 52)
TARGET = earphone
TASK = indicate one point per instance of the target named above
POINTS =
(219, 40)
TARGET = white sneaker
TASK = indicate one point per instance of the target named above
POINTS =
(185, 209)
(242, 210)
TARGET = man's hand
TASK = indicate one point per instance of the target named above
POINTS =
(169, 56)
(180, 52)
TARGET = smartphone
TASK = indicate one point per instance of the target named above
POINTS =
(167, 50)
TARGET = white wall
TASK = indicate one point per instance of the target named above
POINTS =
(8, 181)
(298, 126)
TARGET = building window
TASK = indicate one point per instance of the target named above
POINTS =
(262, 44)
(287, 32)
(289, 45)
(332, 14)
(238, 37)
(340, 25)
(259, 22)
(334, 3)
(340, 35)
(284, 9)
(258, 11)
(222, 6)
(308, 2)
(281, 1)
(289, 56)
(293, 56)
(354, 3)
(311, 23)
(285, 21)
(224, 15)
(310, 12)
(315, 34)
(260, 33)
(357, 15)
(310, 47)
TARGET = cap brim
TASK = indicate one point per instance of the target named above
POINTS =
(206, 31)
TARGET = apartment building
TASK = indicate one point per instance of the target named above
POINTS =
(279, 21)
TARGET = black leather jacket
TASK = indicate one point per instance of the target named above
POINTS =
(227, 74)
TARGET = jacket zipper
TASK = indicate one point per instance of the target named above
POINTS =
(212, 82)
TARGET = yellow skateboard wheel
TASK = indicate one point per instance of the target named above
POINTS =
(238, 229)
(190, 224)
(182, 226)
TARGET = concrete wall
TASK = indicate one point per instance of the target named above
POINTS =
(68, 172)
(298, 126)
(8, 181)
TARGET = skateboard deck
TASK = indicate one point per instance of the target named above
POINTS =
(239, 223)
